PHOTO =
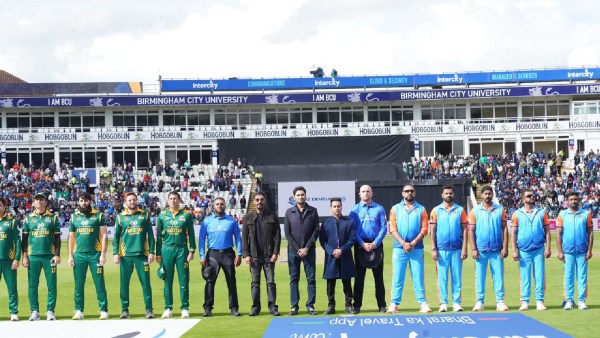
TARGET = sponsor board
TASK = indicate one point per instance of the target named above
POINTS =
(318, 195)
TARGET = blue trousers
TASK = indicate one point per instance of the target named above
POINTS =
(310, 262)
(576, 263)
(497, 268)
(400, 261)
(527, 260)
(449, 260)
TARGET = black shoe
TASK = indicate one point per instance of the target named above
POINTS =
(207, 313)
(294, 311)
(275, 312)
(382, 309)
(235, 312)
(311, 310)
(356, 310)
(254, 311)
(330, 311)
(350, 310)
(124, 314)
(149, 314)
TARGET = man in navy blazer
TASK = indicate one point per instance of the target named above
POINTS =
(337, 237)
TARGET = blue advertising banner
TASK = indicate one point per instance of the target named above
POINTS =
(91, 174)
(416, 326)
(285, 98)
(469, 78)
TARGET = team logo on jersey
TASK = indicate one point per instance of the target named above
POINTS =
(133, 223)
(85, 223)
(141, 217)
(173, 222)
(181, 218)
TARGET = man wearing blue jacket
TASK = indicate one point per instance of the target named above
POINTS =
(531, 246)
(219, 230)
(337, 237)
(448, 227)
(575, 239)
(371, 227)
(489, 243)
(301, 226)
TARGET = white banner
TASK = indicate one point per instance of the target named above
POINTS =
(317, 195)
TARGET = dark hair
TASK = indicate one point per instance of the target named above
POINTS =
(571, 193)
(448, 187)
(85, 196)
(334, 199)
(174, 193)
(487, 188)
(298, 188)
(260, 193)
(219, 198)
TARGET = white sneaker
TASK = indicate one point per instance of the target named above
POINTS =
(167, 314)
(457, 308)
(103, 315)
(392, 309)
(568, 305)
(478, 307)
(14, 317)
(50, 315)
(424, 308)
(524, 306)
(77, 316)
(185, 314)
(582, 306)
(34, 316)
(500, 306)
(540, 306)
(443, 308)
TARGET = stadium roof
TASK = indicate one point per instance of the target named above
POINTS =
(6, 77)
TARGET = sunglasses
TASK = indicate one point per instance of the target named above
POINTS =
(528, 196)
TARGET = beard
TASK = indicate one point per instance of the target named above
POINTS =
(86, 210)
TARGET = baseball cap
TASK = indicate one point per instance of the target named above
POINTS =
(40, 195)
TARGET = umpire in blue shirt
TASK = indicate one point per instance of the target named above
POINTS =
(220, 230)
(301, 227)
(371, 227)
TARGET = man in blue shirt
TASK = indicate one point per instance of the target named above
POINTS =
(220, 230)
(371, 227)
(575, 239)
(448, 227)
(489, 243)
(301, 226)
(531, 245)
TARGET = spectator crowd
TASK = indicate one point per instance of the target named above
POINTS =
(20, 183)
(511, 173)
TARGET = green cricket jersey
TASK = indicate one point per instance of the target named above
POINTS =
(175, 229)
(87, 231)
(10, 238)
(41, 230)
(133, 234)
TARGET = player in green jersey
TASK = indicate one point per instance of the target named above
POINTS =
(133, 246)
(175, 246)
(41, 250)
(87, 249)
(10, 255)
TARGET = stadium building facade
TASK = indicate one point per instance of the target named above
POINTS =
(463, 114)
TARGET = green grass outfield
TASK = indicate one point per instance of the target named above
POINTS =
(577, 323)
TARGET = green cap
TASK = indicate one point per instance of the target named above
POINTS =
(40, 195)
